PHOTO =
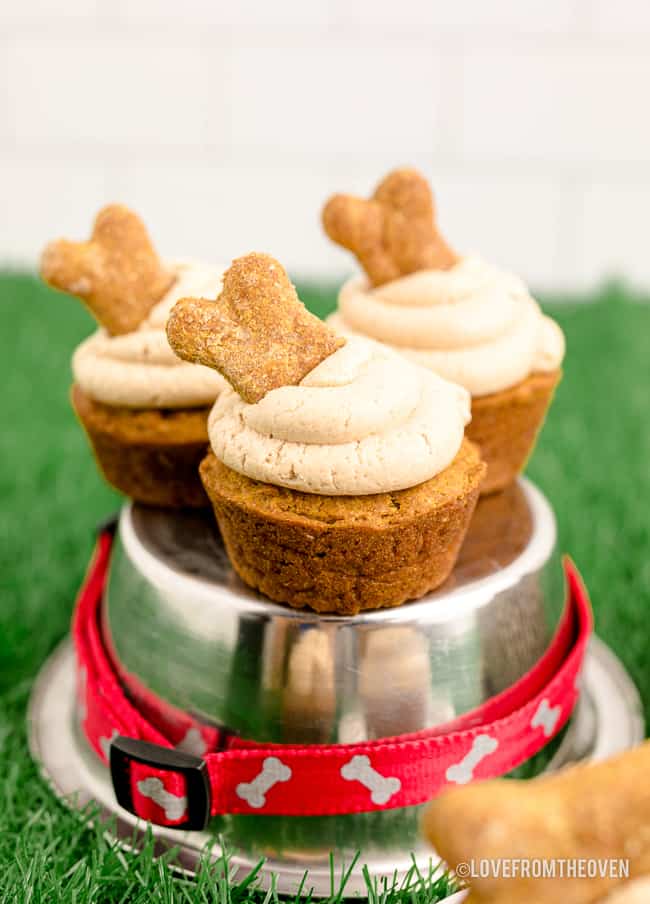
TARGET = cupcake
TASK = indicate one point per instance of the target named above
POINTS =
(338, 471)
(461, 317)
(144, 411)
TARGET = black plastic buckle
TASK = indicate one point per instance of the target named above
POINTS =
(124, 751)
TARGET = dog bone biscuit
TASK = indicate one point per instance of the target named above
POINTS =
(635, 892)
(394, 232)
(117, 272)
(258, 334)
(598, 812)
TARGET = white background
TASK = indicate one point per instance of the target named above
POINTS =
(226, 124)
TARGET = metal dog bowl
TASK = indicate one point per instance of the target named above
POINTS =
(179, 623)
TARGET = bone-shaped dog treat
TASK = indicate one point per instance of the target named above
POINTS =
(595, 811)
(117, 272)
(394, 232)
(154, 789)
(463, 772)
(635, 892)
(546, 717)
(381, 787)
(258, 333)
(254, 793)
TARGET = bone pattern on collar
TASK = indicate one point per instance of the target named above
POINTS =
(173, 805)
(382, 788)
(273, 772)
(546, 717)
(463, 772)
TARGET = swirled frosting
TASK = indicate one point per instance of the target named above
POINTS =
(139, 369)
(472, 324)
(363, 421)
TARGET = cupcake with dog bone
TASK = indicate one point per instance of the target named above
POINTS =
(144, 411)
(338, 471)
(461, 317)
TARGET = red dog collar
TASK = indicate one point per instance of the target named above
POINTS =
(156, 781)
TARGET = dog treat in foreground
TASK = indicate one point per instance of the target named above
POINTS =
(394, 232)
(596, 812)
(258, 334)
(117, 272)
(635, 892)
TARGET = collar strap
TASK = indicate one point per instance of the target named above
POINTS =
(180, 772)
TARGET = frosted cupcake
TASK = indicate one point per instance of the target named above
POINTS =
(144, 411)
(338, 472)
(460, 317)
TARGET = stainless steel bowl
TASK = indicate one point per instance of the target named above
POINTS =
(179, 622)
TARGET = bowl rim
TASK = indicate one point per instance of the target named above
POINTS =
(438, 607)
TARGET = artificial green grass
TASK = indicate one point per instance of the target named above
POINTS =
(592, 462)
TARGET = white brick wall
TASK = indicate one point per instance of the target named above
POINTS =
(226, 124)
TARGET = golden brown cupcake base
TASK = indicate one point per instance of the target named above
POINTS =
(150, 455)
(343, 554)
(505, 425)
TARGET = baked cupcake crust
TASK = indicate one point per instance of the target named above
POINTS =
(151, 455)
(505, 425)
(344, 554)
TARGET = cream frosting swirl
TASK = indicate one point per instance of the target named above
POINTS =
(365, 420)
(139, 369)
(473, 324)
